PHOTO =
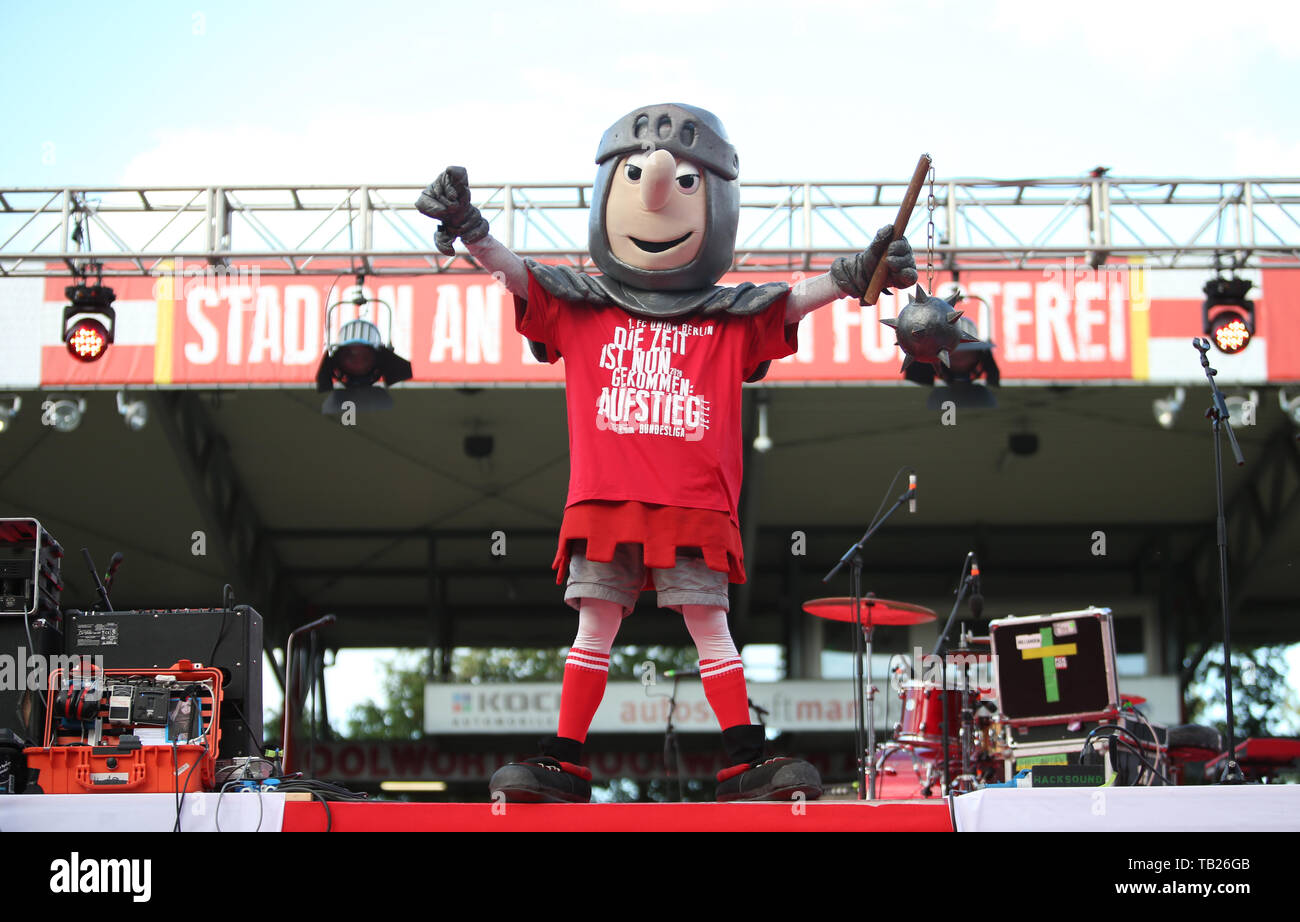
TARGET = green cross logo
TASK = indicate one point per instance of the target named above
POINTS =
(1048, 653)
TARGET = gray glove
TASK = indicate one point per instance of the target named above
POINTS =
(447, 200)
(853, 274)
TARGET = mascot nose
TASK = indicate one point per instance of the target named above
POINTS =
(657, 180)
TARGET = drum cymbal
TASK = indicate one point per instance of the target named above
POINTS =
(874, 611)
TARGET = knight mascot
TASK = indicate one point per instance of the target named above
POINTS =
(655, 352)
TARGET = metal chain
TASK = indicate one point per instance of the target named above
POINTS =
(929, 237)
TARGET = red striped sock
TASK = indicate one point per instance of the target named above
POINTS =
(724, 686)
(585, 674)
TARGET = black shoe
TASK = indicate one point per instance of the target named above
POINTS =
(753, 778)
(552, 777)
(775, 779)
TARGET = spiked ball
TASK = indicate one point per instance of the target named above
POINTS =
(927, 329)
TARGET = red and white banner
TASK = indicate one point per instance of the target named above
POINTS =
(242, 328)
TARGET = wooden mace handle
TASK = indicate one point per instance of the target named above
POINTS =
(900, 226)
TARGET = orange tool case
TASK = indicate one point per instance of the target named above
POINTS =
(66, 767)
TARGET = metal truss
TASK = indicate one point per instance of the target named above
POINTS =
(980, 224)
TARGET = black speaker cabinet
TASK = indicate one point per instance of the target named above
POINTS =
(24, 674)
(230, 640)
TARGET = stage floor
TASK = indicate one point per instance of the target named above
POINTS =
(812, 816)
(1245, 808)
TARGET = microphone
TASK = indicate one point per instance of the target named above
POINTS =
(911, 493)
(976, 595)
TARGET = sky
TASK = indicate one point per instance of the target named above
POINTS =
(204, 93)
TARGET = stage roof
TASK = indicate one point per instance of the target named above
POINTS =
(306, 516)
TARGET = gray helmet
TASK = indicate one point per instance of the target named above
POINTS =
(687, 133)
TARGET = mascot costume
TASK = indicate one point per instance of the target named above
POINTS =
(655, 353)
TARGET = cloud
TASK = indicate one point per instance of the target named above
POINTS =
(1264, 154)
(498, 142)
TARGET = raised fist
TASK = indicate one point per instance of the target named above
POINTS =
(853, 274)
(447, 200)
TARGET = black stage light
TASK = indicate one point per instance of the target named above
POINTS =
(1228, 316)
(88, 321)
(357, 360)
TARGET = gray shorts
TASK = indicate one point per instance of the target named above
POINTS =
(690, 582)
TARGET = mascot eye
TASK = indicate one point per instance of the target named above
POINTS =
(632, 172)
(688, 178)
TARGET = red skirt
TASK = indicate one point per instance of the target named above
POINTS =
(660, 530)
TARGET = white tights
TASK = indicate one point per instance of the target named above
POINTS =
(599, 620)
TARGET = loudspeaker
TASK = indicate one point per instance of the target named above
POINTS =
(227, 639)
(25, 674)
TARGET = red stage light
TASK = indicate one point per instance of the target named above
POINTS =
(87, 340)
(1227, 315)
(1230, 333)
(88, 321)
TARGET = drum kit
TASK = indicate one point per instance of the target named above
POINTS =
(948, 738)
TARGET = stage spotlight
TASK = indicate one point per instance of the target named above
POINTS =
(762, 441)
(88, 322)
(358, 359)
(10, 404)
(1168, 408)
(134, 412)
(1228, 316)
(1290, 407)
(64, 414)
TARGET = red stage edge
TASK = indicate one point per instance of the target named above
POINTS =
(814, 816)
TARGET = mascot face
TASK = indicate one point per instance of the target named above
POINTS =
(666, 201)
(656, 212)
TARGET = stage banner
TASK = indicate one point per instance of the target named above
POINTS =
(631, 707)
(793, 705)
(241, 327)
(370, 761)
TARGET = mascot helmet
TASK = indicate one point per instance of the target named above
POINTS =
(688, 133)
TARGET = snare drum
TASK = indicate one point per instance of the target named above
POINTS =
(922, 720)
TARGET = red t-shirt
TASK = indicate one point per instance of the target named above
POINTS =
(654, 406)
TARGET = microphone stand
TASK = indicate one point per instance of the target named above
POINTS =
(962, 586)
(289, 706)
(866, 763)
(966, 780)
(1218, 416)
